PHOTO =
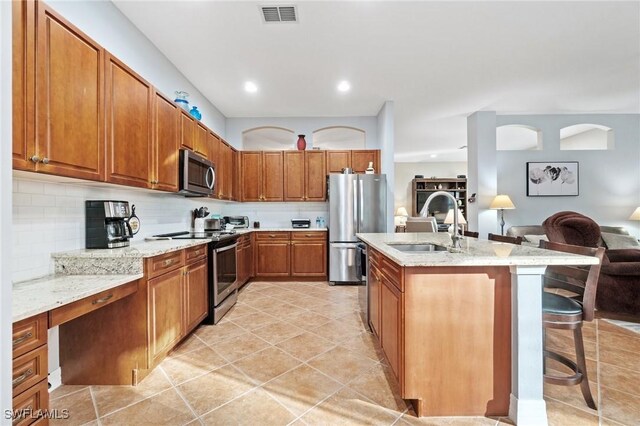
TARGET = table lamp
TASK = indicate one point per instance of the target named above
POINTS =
(402, 216)
(502, 202)
(635, 215)
(449, 218)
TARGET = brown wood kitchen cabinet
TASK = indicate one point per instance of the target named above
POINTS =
(308, 254)
(187, 130)
(304, 176)
(200, 140)
(273, 257)
(262, 176)
(291, 254)
(358, 160)
(224, 173)
(244, 254)
(196, 294)
(338, 160)
(251, 175)
(58, 95)
(166, 131)
(165, 313)
(129, 114)
(374, 292)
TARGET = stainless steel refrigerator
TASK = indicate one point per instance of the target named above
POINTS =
(357, 204)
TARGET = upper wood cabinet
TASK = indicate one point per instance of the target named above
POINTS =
(360, 160)
(273, 176)
(338, 160)
(251, 175)
(224, 172)
(166, 131)
(69, 101)
(201, 144)
(262, 175)
(304, 176)
(129, 111)
(214, 156)
(235, 190)
(187, 130)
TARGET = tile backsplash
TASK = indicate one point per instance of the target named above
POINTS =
(48, 216)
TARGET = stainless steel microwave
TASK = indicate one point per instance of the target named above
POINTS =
(197, 175)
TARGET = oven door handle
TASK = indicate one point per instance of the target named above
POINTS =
(220, 250)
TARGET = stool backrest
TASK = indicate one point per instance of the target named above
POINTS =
(421, 224)
(581, 280)
(471, 234)
(505, 239)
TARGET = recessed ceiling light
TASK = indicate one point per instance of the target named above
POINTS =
(344, 86)
(250, 87)
(433, 155)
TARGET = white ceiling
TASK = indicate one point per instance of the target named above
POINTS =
(439, 61)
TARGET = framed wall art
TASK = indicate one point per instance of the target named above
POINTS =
(552, 179)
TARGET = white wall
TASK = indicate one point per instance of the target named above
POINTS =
(386, 135)
(302, 125)
(104, 23)
(5, 208)
(609, 180)
(279, 215)
(405, 172)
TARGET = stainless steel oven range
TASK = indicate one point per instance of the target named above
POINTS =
(223, 273)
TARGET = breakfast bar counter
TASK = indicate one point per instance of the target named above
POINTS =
(461, 328)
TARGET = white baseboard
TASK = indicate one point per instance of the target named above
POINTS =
(55, 379)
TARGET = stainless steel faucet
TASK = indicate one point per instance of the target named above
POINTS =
(455, 238)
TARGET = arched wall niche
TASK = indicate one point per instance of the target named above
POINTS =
(518, 137)
(586, 136)
(339, 137)
(268, 138)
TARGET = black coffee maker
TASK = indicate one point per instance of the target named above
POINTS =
(107, 224)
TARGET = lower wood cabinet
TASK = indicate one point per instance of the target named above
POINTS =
(165, 312)
(291, 254)
(244, 254)
(196, 294)
(390, 324)
(374, 298)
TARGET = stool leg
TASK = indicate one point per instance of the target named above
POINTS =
(582, 365)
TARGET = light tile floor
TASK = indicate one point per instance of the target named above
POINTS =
(299, 353)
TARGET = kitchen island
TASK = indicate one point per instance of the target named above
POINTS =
(462, 328)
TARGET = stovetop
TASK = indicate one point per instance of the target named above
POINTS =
(186, 235)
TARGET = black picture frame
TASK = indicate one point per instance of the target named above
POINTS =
(553, 178)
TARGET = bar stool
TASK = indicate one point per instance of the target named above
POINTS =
(568, 313)
(471, 234)
(505, 239)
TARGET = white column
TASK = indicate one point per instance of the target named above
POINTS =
(527, 406)
(386, 134)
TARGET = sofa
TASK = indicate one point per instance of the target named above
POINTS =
(531, 234)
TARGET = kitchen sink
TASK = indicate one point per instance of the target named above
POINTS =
(418, 248)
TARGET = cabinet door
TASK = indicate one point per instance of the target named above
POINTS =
(69, 99)
(200, 140)
(166, 133)
(374, 299)
(390, 322)
(272, 259)
(294, 163)
(360, 160)
(236, 176)
(129, 99)
(196, 294)
(337, 160)
(187, 131)
(23, 84)
(251, 175)
(240, 259)
(164, 296)
(214, 157)
(227, 171)
(273, 176)
(315, 176)
(308, 258)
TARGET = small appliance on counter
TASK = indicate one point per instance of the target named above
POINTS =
(213, 223)
(107, 224)
(300, 223)
(237, 221)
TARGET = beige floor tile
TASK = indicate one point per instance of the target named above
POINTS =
(240, 346)
(215, 388)
(111, 398)
(562, 340)
(255, 300)
(411, 419)
(347, 407)
(342, 364)
(165, 408)
(571, 395)
(278, 332)
(239, 310)
(379, 385)
(192, 364)
(559, 414)
(620, 379)
(615, 340)
(301, 389)
(619, 406)
(305, 346)
(366, 344)
(212, 334)
(255, 320)
(561, 369)
(336, 331)
(254, 408)
(308, 320)
(288, 310)
(64, 390)
(604, 325)
(191, 343)
(620, 357)
(354, 319)
(79, 406)
(265, 365)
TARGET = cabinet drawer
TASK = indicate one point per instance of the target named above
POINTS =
(27, 406)
(309, 235)
(29, 369)
(164, 263)
(374, 256)
(392, 272)
(272, 235)
(29, 334)
(193, 254)
(88, 304)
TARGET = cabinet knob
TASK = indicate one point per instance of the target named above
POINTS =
(45, 160)
(35, 158)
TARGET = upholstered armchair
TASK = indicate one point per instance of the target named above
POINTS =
(619, 284)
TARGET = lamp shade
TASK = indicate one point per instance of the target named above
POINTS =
(449, 218)
(402, 212)
(502, 202)
(635, 215)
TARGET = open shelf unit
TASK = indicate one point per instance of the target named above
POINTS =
(422, 188)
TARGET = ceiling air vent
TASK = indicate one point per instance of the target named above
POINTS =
(279, 14)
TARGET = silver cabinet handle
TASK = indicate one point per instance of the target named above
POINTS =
(21, 378)
(45, 160)
(35, 158)
(104, 299)
(22, 338)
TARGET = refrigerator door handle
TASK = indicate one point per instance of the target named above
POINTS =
(361, 201)
(355, 206)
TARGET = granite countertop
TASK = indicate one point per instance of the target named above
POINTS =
(34, 297)
(137, 250)
(244, 231)
(474, 252)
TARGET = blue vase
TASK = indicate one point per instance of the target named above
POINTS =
(195, 113)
